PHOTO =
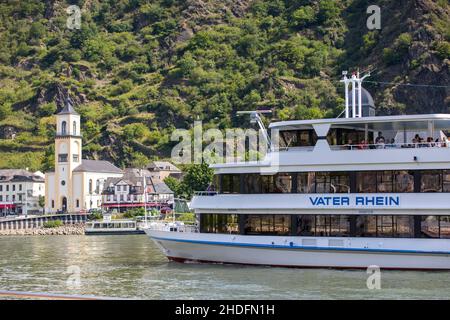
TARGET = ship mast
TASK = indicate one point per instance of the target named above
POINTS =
(256, 118)
(356, 85)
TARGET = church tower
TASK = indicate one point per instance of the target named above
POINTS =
(67, 156)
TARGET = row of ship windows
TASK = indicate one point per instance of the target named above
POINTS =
(400, 181)
(382, 226)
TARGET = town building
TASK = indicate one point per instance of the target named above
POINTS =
(136, 188)
(20, 192)
(163, 169)
(76, 184)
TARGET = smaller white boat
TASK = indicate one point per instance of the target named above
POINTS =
(112, 227)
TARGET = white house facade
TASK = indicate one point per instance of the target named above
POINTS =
(20, 191)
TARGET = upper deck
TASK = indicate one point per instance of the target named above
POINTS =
(365, 143)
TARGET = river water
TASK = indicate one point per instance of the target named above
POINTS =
(132, 267)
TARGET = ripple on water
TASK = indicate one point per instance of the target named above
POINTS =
(132, 267)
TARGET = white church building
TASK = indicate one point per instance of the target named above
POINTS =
(76, 185)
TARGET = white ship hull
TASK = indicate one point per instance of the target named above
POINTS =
(304, 252)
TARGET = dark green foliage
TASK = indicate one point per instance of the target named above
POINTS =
(138, 69)
(53, 224)
(197, 177)
(133, 213)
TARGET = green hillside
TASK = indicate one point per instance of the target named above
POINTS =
(137, 69)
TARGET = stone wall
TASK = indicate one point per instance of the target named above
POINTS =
(74, 229)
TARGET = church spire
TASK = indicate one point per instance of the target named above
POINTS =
(68, 108)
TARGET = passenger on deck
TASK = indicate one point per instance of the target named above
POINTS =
(380, 139)
(430, 142)
(391, 144)
(349, 145)
(417, 137)
(437, 143)
(363, 145)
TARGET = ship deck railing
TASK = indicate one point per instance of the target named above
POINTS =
(364, 146)
(205, 193)
(173, 227)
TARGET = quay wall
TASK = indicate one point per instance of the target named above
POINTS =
(72, 224)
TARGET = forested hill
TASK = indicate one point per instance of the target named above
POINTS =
(137, 69)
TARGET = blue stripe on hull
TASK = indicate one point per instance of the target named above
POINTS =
(257, 245)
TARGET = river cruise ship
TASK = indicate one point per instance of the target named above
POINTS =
(350, 192)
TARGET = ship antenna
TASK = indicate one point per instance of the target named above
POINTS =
(256, 118)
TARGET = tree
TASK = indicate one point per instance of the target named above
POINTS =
(173, 184)
(197, 178)
(41, 202)
(135, 131)
(303, 16)
(139, 160)
(5, 110)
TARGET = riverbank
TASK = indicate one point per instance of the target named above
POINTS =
(73, 229)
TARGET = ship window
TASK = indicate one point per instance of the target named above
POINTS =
(267, 184)
(323, 183)
(252, 183)
(444, 227)
(323, 226)
(404, 226)
(268, 224)
(337, 136)
(340, 226)
(306, 225)
(283, 183)
(332, 226)
(430, 227)
(385, 226)
(385, 181)
(366, 226)
(339, 182)
(446, 181)
(297, 138)
(219, 223)
(282, 224)
(366, 182)
(230, 183)
(306, 182)
(431, 181)
(279, 183)
(404, 181)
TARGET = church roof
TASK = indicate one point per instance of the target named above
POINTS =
(100, 166)
(68, 108)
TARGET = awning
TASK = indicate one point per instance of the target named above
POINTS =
(7, 206)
